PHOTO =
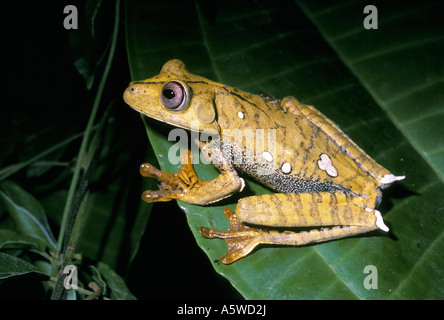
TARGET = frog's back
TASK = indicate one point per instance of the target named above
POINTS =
(286, 145)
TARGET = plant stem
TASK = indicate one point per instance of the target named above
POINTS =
(88, 130)
(75, 217)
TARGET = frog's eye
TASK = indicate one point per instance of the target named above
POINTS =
(174, 95)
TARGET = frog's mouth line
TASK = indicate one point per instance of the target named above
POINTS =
(162, 120)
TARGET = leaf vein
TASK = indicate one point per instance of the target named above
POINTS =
(430, 249)
(406, 46)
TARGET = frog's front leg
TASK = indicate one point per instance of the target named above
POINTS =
(344, 214)
(184, 185)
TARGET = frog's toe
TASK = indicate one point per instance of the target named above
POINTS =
(172, 185)
(239, 247)
(149, 171)
(173, 189)
(185, 176)
(155, 196)
(241, 240)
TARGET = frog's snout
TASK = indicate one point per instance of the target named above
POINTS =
(136, 87)
(131, 92)
(127, 93)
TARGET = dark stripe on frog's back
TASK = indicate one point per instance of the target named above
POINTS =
(240, 95)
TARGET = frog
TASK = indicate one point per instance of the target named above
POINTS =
(323, 186)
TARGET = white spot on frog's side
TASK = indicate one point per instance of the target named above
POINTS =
(379, 222)
(241, 115)
(267, 156)
(325, 164)
(286, 167)
(389, 178)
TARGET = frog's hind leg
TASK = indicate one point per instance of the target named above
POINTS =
(309, 209)
(345, 215)
(241, 239)
(382, 176)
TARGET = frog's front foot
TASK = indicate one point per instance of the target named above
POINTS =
(241, 240)
(172, 185)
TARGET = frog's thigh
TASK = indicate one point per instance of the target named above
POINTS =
(364, 161)
(307, 209)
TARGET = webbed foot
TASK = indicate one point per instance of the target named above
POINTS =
(173, 186)
(241, 240)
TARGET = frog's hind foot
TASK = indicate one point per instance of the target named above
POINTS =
(172, 185)
(241, 240)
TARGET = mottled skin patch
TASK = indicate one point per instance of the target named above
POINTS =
(322, 178)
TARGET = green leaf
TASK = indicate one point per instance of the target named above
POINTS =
(382, 87)
(11, 266)
(116, 284)
(90, 41)
(27, 212)
(13, 240)
(97, 278)
(406, 50)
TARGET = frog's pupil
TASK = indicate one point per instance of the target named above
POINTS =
(169, 94)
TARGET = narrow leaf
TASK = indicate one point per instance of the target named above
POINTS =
(27, 212)
(13, 240)
(11, 266)
(116, 284)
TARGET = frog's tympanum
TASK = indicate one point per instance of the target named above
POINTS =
(321, 177)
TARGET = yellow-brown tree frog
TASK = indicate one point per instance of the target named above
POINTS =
(320, 176)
